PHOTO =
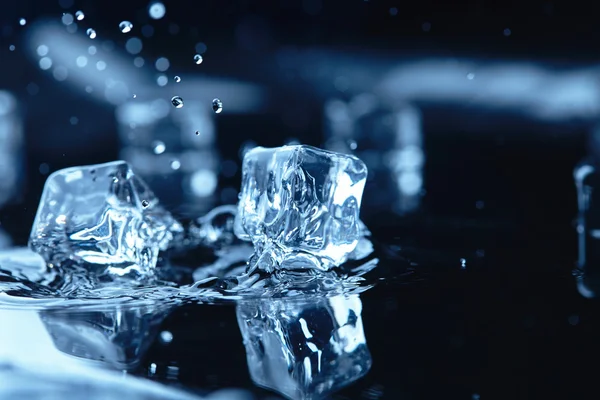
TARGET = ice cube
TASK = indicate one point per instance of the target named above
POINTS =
(116, 335)
(307, 348)
(101, 217)
(300, 206)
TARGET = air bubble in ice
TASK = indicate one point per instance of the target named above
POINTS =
(125, 26)
(79, 15)
(198, 59)
(217, 106)
(22, 21)
(158, 147)
(177, 102)
(157, 10)
(145, 203)
(177, 78)
(91, 33)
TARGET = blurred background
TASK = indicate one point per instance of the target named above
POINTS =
(471, 117)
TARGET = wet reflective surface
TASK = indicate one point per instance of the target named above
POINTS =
(470, 123)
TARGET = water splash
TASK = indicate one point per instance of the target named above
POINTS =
(26, 281)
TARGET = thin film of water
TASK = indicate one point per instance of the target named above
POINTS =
(26, 281)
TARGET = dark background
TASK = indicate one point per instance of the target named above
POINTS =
(511, 325)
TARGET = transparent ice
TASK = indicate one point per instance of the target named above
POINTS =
(117, 336)
(101, 217)
(304, 349)
(299, 205)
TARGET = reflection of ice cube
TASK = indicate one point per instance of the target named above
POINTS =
(307, 348)
(300, 206)
(101, 215)
(117, 335)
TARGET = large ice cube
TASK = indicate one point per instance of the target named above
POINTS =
(304, 349)
(300, 206)
(102, 217)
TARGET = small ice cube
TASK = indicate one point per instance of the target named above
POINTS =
(102, 217)
(300, 206)
(304, 349)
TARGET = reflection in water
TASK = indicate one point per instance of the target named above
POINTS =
(389, 139)
(304, 348)
(118, 335)
(32, 368)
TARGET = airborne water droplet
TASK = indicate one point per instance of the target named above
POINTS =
(125, 26)
(198, 59)
(22, 21)
(79, 15)
(177, 79)
(217, 106)
(91, 33)
(177, 101)
(145, 203)
(157, 10)
(158, 147)
(197, 133)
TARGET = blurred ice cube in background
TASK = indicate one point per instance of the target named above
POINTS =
(389, 139)
(160, 143)
(11, 155)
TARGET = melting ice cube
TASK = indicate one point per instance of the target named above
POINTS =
(118, 335)
(304, 349)
(101, 217)
(300, 206)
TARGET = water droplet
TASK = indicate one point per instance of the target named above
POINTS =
(125, 26)
(11, 47)
(22, 21)
(175, 164)
(177, 79)
(197, 133)
(134, 95)
(158, 147)
(67, 19)
(166, 337)
(157, 10)
(178, 101)
(91, 33)
(507, 32)
(162, 64)
(42, 50)
(79, 15)
(217, 106)
(470, 76)
(198, 59)
(352, 144)
(463, 263)
(162, 80)
(145, 203)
